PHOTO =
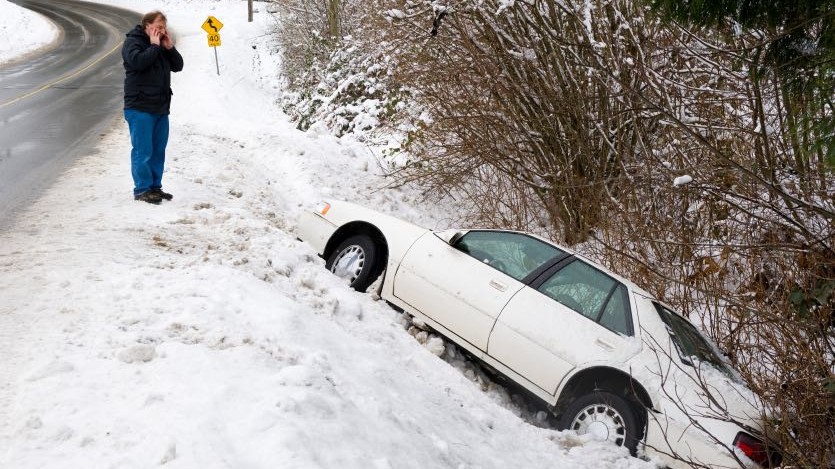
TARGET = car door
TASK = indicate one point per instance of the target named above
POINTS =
(573, 314)
(464, 285)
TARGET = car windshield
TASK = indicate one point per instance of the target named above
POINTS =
(691, 344)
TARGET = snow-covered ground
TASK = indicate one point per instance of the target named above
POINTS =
(201, 333)
(23, 31)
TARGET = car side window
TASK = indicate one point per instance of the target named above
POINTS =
(515, 254)
(591, 293)
(615, 315)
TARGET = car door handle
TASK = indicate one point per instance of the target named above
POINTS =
(603, 344)
(498, 285)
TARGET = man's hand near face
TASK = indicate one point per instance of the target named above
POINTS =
(166, 41)
(155, 34)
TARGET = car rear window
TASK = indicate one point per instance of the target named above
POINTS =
(691, 344)
(592, 293)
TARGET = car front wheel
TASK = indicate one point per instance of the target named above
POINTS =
(605, 416)
(355, 260)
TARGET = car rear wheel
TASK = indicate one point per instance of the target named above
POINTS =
(355, 260)
(605, 416)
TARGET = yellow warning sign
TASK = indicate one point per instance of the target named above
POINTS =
(212, 25)
(214, 40)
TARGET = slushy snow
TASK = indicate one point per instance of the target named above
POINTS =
(201, 333)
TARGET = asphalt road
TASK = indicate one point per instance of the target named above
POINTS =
(54, 105)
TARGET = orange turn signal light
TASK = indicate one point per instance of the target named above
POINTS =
(324, 207)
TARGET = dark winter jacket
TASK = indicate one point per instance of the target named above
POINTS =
(148, 70)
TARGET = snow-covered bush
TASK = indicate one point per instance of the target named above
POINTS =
(343, 81)
(354, 96)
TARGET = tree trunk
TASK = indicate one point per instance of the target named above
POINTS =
(333, 18)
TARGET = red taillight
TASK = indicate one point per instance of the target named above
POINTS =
(756, 450)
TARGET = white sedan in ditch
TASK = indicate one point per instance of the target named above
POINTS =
(606, 358)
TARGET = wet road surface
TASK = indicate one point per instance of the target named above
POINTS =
(54, 105)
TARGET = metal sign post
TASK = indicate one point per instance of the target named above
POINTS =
(212, 27)
(217, 65)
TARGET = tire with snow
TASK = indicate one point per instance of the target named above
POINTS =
(356, 260)
(606, 416)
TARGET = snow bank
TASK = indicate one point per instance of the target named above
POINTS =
(23, 31)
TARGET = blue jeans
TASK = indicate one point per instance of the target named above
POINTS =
(149, 137)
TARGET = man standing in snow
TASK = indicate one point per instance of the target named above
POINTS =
(149, 57)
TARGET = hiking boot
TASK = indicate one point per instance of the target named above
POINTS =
(149, 196)
(164, 195)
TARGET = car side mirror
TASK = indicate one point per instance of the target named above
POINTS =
(450, 236)
(454, 239)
